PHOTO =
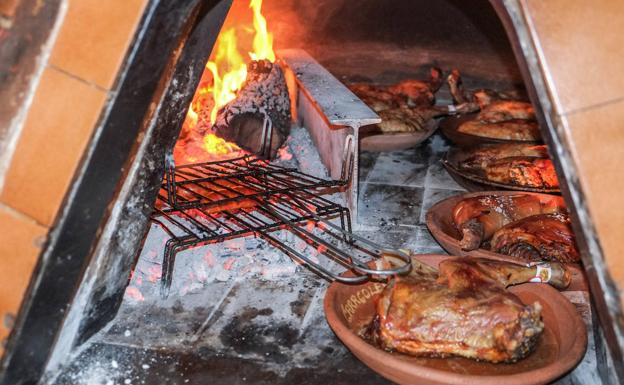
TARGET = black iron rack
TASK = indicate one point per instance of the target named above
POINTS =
(210, 202)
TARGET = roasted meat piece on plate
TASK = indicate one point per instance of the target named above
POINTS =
(463, 310)
(523, 171)
(521, 165)
(481, 157)
(500, 116)
(406, 106)
(478, 218)
(516, 130)
(538, 238)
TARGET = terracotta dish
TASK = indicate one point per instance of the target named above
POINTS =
(374, 140)
(449, 127)
(473, 182)
(348, 308)
(441, 226)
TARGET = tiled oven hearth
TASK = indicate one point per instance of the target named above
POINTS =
(259, 319)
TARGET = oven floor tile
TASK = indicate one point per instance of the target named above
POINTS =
(109, 364)
(384, 205)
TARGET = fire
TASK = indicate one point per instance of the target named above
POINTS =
(227, 69)
(229, 62)
(263, 41)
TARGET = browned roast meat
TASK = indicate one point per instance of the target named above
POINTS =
(418, 92)
(523, 171)
(493, 106)
(518, 164)
(515, 129)
(464, 310)
(493, 111)
(537, 238)
(478, 218)
(481, 157)
(377, 97)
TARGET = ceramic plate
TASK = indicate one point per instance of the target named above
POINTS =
(441, 226)
(449, 127)
(473, 182)
(349, 307)
(371, 140)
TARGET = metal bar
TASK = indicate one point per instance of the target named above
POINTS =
(332, 114)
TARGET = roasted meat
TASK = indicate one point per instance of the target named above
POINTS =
(493, 111)
(514, 164)
(481, 157)
(478, 218)
(406, 106)
(377, 97)
(501, 116)
(418, 92)
(538, 238)
(464, 310)
(523, 171)
(516, 129)
(407, 119)
(494, 106)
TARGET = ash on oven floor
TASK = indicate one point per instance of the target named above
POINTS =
(249, 315)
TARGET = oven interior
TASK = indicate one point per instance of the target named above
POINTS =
(236, 295)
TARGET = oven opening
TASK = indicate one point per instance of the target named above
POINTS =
(284, 174)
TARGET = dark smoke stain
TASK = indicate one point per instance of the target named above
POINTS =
(298, 307)
(246, 335)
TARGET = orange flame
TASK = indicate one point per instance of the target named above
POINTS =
(229, 62)
(263, 40)
(229, 71)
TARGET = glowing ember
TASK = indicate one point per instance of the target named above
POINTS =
(227, 71)
(134, 293)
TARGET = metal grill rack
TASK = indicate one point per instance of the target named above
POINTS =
(229, 181)
(211, 202)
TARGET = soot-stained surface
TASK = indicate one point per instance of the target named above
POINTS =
(249, 315)
(113, 364)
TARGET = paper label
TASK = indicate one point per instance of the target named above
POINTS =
(542, 274)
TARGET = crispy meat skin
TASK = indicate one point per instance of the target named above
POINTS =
(481, 157)
(537, 238)
(520, 164)
(465, 311)
(478, 218)
(406, 106)
(494, 106)
(523, 171)
(378, 97)
(502, 110)
(516, 129)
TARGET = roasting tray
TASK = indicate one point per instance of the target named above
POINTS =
(449, 126)
(474, 182)
(440, 223)
(371, 139)
(350, 307)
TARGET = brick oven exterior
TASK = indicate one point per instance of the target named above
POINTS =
(78, 69)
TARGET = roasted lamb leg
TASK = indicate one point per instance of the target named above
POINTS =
(464, 310)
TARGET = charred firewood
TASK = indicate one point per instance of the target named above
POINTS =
(260, 114)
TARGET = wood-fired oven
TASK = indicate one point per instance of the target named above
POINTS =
(120, 263)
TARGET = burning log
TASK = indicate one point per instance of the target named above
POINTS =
(261, 103)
